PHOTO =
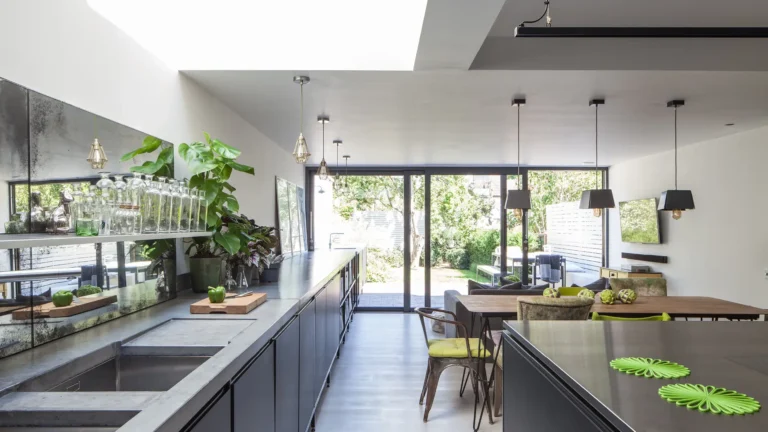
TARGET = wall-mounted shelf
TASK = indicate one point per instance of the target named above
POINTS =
(19, 241)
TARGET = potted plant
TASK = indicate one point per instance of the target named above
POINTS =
(211, 164)
(272, 270)
(255, 246)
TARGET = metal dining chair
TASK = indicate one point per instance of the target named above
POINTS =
(462, 351)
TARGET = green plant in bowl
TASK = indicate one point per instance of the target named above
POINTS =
(87, 290)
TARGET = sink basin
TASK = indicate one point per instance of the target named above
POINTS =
(97, 372)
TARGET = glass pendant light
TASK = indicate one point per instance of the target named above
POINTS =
(96, 157)
(323, 172)
(518, 200)
(676, 201)
(346, 171)
(300, 150)
(597, 199)
(337, 177)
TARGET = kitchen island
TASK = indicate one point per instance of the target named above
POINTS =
(557, 374)
(261, 371)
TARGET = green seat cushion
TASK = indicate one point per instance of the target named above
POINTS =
(662, 317)
(569, 291)
(456, 348)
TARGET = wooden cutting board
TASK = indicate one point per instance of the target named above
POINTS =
(87, 303)
(231, 305)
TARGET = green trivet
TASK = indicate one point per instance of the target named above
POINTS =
(650, 368)
(709, 399)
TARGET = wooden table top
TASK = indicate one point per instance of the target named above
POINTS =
(506, 305)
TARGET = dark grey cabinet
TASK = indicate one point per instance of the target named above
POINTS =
(253, 394)
(321, 328)
(287, 366)
(333, 320)
(218, 417)
(307, 365)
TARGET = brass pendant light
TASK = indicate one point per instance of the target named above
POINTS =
(676, 201)
(337, 179)
(300, 150)
(97, 157)
(518, 200)
(597, 199)
(323, 172)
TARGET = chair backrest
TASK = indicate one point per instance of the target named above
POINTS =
(645, 287)
(552, 309)
(432, 314)
(663, 317)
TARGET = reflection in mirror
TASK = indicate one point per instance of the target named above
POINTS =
(291, 217)
(50, 292)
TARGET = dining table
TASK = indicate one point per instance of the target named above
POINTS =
(486, 307)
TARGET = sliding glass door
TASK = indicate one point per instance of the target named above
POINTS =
(436, 229)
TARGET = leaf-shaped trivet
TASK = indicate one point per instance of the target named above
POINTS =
(650, 368)
(709, 399)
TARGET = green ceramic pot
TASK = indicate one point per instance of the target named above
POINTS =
(205, 272)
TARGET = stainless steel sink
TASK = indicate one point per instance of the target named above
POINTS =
(118, 372)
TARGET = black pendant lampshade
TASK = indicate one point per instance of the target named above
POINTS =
(597, 199)
(676, 200)
(518, 199)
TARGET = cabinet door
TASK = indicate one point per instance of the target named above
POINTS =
(253, 394)
(333, 318)
(321, 326)
(306, 365)
(218, 418)
(287, 359)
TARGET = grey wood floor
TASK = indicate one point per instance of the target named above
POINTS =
(375, 385)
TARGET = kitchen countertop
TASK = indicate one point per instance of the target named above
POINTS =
(733, 355)
(300, 278)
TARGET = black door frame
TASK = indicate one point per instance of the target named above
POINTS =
(428, 171)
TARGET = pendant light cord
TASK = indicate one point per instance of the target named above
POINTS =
(323, 138)
(301, 111)
(675, 147)
(596, 165)
(337, 158)
(519, 186)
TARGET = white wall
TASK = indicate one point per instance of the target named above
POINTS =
(720, 249)
(67, 51)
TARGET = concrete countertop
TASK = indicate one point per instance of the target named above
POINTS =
(723, 354)
(300, 278)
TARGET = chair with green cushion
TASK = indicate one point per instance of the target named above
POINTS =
(569, 291)
(663, 317)
(462, 351)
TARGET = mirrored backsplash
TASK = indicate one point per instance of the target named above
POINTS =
(44, 144)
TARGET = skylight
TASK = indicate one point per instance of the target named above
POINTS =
(273, 35)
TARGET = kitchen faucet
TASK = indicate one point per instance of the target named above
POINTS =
(330, 239)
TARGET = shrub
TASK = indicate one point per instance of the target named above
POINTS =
(376, 267)
(457, 258)
(481, 246)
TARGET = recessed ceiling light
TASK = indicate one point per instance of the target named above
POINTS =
(272, 35)
(730, 124)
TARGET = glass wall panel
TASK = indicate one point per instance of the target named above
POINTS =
(418, 242)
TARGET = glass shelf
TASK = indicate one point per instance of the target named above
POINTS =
(18, 241)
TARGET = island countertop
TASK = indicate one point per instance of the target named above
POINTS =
(733, 355)
(301, 277)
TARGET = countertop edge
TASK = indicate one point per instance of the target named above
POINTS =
(595, 403)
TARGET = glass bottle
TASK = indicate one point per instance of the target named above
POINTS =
(106, 187)
(136, 189)
(184, 214)
(194, 210)
(150, 207)
(75, 207)
(174, 205)
(118, 226)
(88, 221)
(203, 212)
(242, 281)
(164, 219)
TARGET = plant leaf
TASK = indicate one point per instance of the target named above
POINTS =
(166, 156)
(149, 145)
(183, 149)
(147, 167)
(225, 150)
(228, 187)
(212, 188)
(207, 137)
(197, 166)
(242, 168)
(230, 242)
(231, 202)
(224, 172)
(196, 181)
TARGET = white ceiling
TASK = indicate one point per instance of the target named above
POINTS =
(502, 51)
(272, 35)
(465, 117)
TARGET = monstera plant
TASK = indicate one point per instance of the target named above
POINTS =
(211, 164)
